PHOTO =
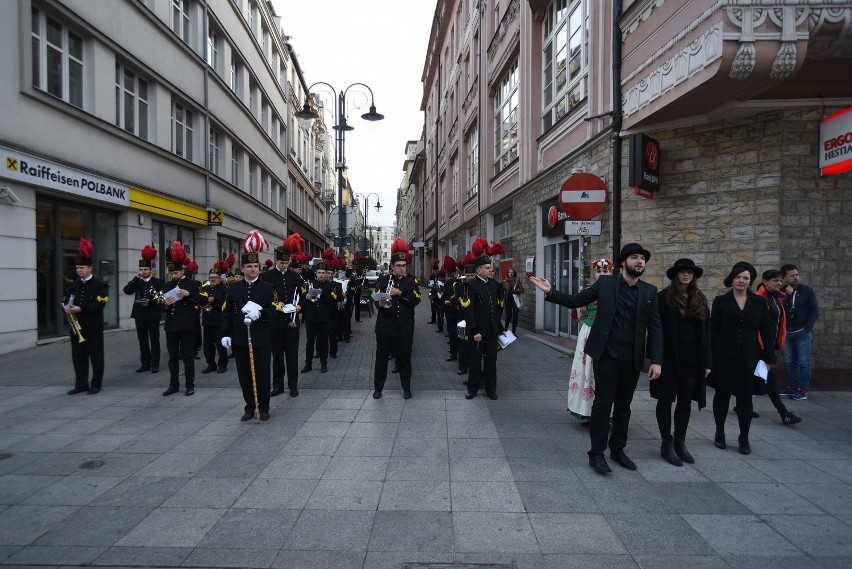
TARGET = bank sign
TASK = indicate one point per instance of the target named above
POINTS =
(30, 170)
(835, 143)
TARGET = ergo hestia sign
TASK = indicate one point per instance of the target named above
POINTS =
(22, 167)
(835, 143)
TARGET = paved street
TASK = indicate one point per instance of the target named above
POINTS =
(337, 479)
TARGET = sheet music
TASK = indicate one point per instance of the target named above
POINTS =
(379, 296)
(174, 294)
(506, 338)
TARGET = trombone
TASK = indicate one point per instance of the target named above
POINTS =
(75, 327)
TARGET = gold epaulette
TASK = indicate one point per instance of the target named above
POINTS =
(464, 302)
(501, 302)
(103, 299)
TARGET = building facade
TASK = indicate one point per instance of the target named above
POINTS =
(521, 94)
(141, 123)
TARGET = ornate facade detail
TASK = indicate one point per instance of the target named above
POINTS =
(641, 15)
(471, 95)
(509, 17)
(744, 61)
(785, 61)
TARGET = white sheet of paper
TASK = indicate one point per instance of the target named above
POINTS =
(762, 370)
(288, 309)
(377, 296)
(251, 306)
(343, 283)
(506, 338)
(174, 294)
(315, 291)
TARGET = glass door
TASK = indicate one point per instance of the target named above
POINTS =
(561, 262)
(48, 292)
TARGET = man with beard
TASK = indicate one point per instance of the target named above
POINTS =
(626, 327)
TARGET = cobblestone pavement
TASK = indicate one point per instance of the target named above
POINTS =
(337, 479)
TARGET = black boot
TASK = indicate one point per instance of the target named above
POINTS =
(667, 451)
(680, 449)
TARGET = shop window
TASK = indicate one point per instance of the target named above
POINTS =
(57, 59)
(131, 101)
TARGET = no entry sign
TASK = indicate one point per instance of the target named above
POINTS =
(583, 196)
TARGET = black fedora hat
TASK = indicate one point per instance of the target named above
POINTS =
(684, 264)
(632, 248)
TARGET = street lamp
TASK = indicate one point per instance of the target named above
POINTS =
(340, 126)
(366, 212)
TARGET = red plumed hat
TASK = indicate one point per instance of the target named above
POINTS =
(449, 265)
(177, 257)
(399, 251)
(434, 263)
(148, 255)
(192, 267)
(86, 252)
(328, 254)
(231, 260)
(268, 263)
(253, 244)
(496, 248)
(469, 263)
(292, 245)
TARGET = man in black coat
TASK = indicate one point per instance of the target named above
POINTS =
(85, 302)
(319, 310)
(147, 310)
(290, 289)
(181, 335)
(451, 308)
(395, 321)
(626, 327)
(235, 334)
(211, 321)
(482, 311)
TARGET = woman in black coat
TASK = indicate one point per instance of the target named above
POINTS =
(735, 321)
(686, 357)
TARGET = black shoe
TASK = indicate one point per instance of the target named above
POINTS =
(170, 391)
(189, 391)
(155, 369)
(316, 357)
(464, 382)
(719, 440)
(246, 416)
(469, 395)
(306, 369)
(667, 451)
(461, 372)
(431, 322)
(323, 369)
(407, 394)
(790, 418)
(377, 394)
(451, 359)
(221, 369)
(492, 396)
(439, 330)
(347, 340)
(264, 415)
(333, 356)
(745, 448)
(209, 369)
(621, 458)
(395, 369)
(294, 392)
(94, 390)
(598, 463)
(143, 368)
(197, 357)
(680, 449)
(276, 391)
(357, 321)
(755, 415)
(77, 390)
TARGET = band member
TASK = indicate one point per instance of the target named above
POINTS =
(357, 283)
(461, 293)
(84, 308)
(482, 311)
(147, 310)
(450, 306)
(181, 338)
(331, 264)
(433, 276)
(211, 319)
(254, 299)
(319, 311)
(191, 270)
(290, 289)
(395, 320)
(436, 297)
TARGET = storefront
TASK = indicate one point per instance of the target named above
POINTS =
(562, 265)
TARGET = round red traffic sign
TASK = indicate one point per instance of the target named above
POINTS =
(583, 196)
(552, 217)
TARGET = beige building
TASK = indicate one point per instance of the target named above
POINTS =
(524, 94)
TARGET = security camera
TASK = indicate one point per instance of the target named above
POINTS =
(8, 196)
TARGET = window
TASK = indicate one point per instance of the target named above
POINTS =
(496, 15)
(454, 165)
(565, 58)
(506, 119)
(236, 170)
(264, 187)
(181, 130)
(236, 74)
(180, 20)
(131, 101)
(442, 206)
(213, 47)
(215, 145)
(57, 56)
(252, 178)
(503, 231)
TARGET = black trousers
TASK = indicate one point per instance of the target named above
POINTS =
(721, 402)
(439, 314)
(181, 346)
(344, 324)
(261, 378)
(198, 336)
(772, 392)
(434, 304)
(333, 334)
(453, 331)
(464, 354)
(400, 347)
(317, 335)
(289, 362)
(92, 350)
(482, 367)
(148, 334)
(213, 347)
(615, 382)
(511, 315)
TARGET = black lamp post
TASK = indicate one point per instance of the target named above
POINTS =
(340, 127)
(366, 212)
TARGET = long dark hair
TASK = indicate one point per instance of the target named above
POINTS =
(691, 302)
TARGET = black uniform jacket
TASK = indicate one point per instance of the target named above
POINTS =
(324, 308)
(735, 345)
(145, 291)
(451, 309)
(649, 335)
(180, 316)
(665, 387)
(91, 296)
(212, 313)
(290, 288)
(233, 325)
(398, 318)
(483, 308)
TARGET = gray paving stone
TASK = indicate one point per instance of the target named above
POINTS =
(493, 533)
(73, 490)
(55, 464)
(345, 495)
(679, 561)
(15, 488)
(322, 429)
(180, 465)
(481, 469)
(372, 430)
(335, 530)
(365, 446)
(269, 445)
(299, 445)
(555, 497)
(485, 497)
(236, 465)
(85, 425)
(840, 469)
(290, 559)
(357, 468)
(140, 491)
(698, 498)
(415, 415)
(412, 532)
(421, 446)
(770, 498)
(423, 430)
(389, 415)
(45, 442)
(296, 467)
(469, 448)
(118, 464)
(335, 402)
(730, 470)
(204, 444)
(773, 562)
(641, 535)
(472, 430)
(817, 535)
(544, 469)
(333, 415)
(98, 443)
(532, 447)
(8, 550)
(418, 468)
(418, 495)
(22, 524)
(623, 493)
(250, 528)
(832, 498)
(248, 557)
(145, 556)
(276, 493)
(173, 527)
(95, 526)
(792, 471)
(576, 534)
(148, 443)
(41, 555)
(740, 535)
(208, 493)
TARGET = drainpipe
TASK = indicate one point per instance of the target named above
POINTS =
(437, 123)
(479, 74)
(206, 107)
(616, 129)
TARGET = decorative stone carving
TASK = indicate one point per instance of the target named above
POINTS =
(785, 61)
(744, 61)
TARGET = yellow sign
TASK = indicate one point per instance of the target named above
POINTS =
(215, 217)
(166, 207)
(11, 164)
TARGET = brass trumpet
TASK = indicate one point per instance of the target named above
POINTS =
(75, 326)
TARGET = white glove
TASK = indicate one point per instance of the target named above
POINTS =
(226, 342)
(251, 306)
(253, 315)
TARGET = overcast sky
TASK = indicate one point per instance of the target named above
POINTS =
(378, 42)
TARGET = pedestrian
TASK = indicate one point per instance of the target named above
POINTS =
(181, 309)
(686, 357)
(626, 327)
(482, 311)
(581, 382)
(84, 304)
(461, 294)
(451, 312)
(191, 270)
(147, 310)
(254, 299)
(319, 310)
(741, 334)
(433, 301)
(211, 319)
(770, 290)
(512, 291)
(802, 311)
(395, 320)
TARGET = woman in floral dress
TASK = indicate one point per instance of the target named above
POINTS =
(581, 383)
